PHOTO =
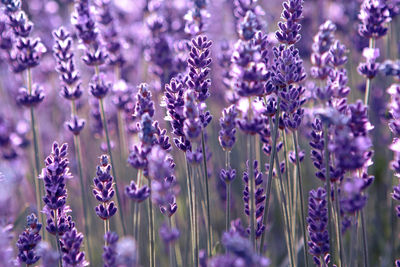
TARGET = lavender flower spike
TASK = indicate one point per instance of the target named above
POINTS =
(28, 241)
(110, 253)
(317, 227)
(104, 190)
(70, 246)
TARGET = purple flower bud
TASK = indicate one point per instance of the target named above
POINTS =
(31, 99)
(374, 15)
(104, 190)
(71, 243)
(137, 194)
(99, 87)
(28, 241)
(109, 251)
(227, 176)
(317, 224)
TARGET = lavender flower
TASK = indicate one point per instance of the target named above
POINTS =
(28, 241)
(161, 169)
(228, 128)
(136, 193)
(289, 28)
(54, 177)
(168, 235)
(127, 254)
(198, 62)
(241, 253)
(110, 33)
(317, 226)
(70, 246)
(196, 17)
(104, 190)
(259, 198)
(374, 15)
(321, 46)
(110, 250)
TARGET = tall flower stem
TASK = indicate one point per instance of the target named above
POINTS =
(302, 210)
(105, 231)
(136, 208)
(209, 230)
(195, 213)
(368, 83)
(189, 188)
(121, 124)
(38, 192)
(152, 256)
(328, 189)
(82, 185)
(364, 235)
(171, 247)
(285, 213)
(228, 192)
(270, 171)
(338, 226)
(57, 237)
(103, 117)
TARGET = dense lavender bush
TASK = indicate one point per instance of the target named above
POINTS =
(176, 99)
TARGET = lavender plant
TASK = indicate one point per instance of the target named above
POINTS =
(153, 92)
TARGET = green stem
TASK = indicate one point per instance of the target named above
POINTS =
(364, 235)
(299, 178)
(171, 248)
(328, 185)
(285, 212)
(113, 169)
(189, 188)
(368, 84)
(57, 237)
(82, 186)
(209, 230)
(338, 226)
(152, 256)
(270, 171)
(195, 215)
(38, 192)
(228, 192)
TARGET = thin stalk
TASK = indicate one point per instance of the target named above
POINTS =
(285, 213)
(189, 185)
(228, 192)
(368, 84)
(393, 228)
(113, 169)
(353, 242)
(288, 190)
(152, 256)
(328, 182)
(82, 185)
(364, 235)
(196, 216)
(105, 231)
(122, 135)
(171, 248)
(38, 192)
(209, 237)
(302, 210)
(57, 238)
(270, 171)
(338, 226)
